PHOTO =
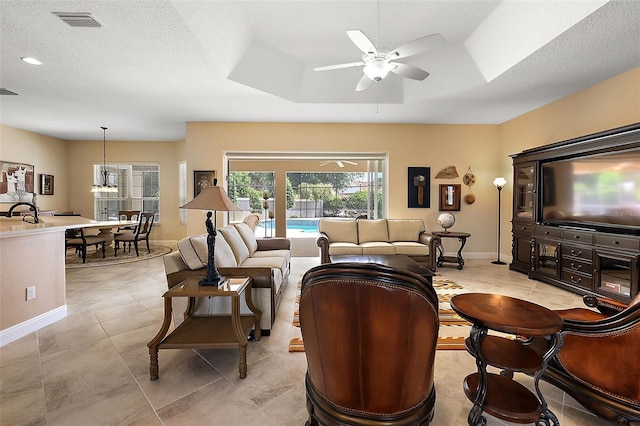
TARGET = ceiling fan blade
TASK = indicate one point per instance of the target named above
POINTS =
(409, 71)
(339, 163)
(364, 83)
(362, 41)
(350, 162)
(414, 47)
(338, 66)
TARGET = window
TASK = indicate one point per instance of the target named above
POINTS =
(316, 185)
(138, 189)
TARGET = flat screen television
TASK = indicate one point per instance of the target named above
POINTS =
(599, 192)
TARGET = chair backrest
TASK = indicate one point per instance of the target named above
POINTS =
(128, 214)
(145, 223)
(74, 234)
(370, 335)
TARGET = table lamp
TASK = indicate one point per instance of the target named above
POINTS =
(211, 198)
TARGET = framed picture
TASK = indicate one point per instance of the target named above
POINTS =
(202, 179)
(17, 182)
(450, 197)
(419, 193)
(46, 184)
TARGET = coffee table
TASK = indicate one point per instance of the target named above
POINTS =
(397, 261)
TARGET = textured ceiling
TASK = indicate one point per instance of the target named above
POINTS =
(155, 65)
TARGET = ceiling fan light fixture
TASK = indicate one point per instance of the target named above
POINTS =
(378, 70)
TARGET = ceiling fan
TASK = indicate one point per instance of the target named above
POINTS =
(378, 63)
(340, 163)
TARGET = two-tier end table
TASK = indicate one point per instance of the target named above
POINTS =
(210, 331)
(498, 394)
(462, 238)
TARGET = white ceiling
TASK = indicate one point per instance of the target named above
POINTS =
(155, 65)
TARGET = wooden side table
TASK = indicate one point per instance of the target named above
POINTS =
(211, 331)
(462, 237)
(500, 395)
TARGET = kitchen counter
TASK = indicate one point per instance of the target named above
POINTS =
(32, 263)
(15, 226)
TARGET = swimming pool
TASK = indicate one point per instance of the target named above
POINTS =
(295, 227)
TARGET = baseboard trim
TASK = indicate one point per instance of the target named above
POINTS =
(34, 324)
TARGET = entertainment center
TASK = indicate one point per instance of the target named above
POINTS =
(576, 213)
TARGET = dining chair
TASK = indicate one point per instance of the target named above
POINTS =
(127, 215)
(142, 231)
(77, 238)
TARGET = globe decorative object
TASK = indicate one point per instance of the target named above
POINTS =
(446, 221)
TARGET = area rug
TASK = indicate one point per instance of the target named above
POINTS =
(453, 329)
(72, 260)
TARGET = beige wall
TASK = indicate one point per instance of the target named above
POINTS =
(31, 260)
(486, 148)
(83, 154)
(408, 145)
(48, 155)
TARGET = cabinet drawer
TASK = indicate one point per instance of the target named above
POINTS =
(522, 228)
(547, 231)
(619, 242)
(578, 236)
(576, 278)
(577, 252)
(575, 265)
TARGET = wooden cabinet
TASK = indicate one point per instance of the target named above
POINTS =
(598, 253)
(524, 203)
(615, 274)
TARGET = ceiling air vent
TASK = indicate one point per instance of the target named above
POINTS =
(4, 91)
(78, 19)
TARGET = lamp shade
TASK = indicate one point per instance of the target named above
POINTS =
(377, 70)
(499, 182)
(211, 198)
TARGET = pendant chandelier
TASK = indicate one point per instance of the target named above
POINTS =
(104, 173)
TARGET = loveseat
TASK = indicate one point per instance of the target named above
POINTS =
(238, 253)
(377, 236)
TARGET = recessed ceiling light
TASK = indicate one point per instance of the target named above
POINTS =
(32, 61)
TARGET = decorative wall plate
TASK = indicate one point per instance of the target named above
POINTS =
(470, 198)
(469, 178)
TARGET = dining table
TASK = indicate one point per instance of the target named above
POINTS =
(105, 229)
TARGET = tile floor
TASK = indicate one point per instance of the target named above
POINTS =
(92, 367)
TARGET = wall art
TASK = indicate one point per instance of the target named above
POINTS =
(16, 182)
(46, 184)
(419, 191)
(450, 197)
(202, 179)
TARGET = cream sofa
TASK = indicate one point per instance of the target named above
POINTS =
(377, 236)
(237, 254)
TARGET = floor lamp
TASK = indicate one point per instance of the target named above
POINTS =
(212, 198)
(499, 182)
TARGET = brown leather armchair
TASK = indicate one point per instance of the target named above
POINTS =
(599, 363)
(370, 335)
